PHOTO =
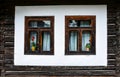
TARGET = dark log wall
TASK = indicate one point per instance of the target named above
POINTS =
(8, 69)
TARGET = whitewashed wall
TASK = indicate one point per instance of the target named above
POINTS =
(59, 59)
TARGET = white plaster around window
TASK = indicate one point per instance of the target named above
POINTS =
(59, 59)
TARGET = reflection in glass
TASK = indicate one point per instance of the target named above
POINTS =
(86, 41)
(73, 41)
(46, 23)
(39, 24)
(33, 24)
(73, 23)
(79, 23)
(46, 41)
(33, 41)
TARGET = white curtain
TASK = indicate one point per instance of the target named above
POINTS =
(73, 41)
(34, 24)
(85, 40)
(46, 41)
(84, 24)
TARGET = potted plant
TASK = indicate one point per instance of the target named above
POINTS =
(33, 44)
(88, 46)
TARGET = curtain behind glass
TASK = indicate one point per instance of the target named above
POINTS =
(85, 40)
(73, 41)
(33, 24)
(84, 23)
(46, 41)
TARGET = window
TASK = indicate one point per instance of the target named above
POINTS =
(39, 35)
(80, 35)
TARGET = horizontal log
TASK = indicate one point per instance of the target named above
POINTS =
(9, 44)
(1, 56)
(9, 25)
(9, 56)
(1, 63)
(111, 33)
(111, 19)
(8, 22)
(111, 14)
(111, 62)
(9, 48)
(111, 27)
(51, 76)
(10, 37)
(111, 50)
(26, 76)
(8, 61)
(63, 73)
(111, 57)
(9, 33)
(1, 52)
(8, 40)
(9, 51)
(10, 67)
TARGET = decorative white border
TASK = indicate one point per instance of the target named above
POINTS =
(59, 59)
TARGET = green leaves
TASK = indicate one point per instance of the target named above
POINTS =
(88, 45)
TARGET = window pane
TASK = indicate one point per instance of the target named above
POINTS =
(73, 41)
(86, 41)
(85, 23)
(46, 23)
(79, 23)
(73, 23)
(33, 41)
(39, 24)
(33, 24)
(46, 41)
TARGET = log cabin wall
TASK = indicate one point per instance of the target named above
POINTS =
(7, 68)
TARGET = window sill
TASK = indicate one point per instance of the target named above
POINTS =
(39, 53)
(81, 53)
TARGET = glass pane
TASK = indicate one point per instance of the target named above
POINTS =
(85, 23)
(46, 41)
(86, 41)
(39, 24)
(47, 23)
(73, 23)
(73, 41)
(33, 24)
(79, 23)
(44, 23)
(33, 41)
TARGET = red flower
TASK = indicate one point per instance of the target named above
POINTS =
(33, 38)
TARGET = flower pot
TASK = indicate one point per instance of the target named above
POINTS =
(87, 49)
(33, 48)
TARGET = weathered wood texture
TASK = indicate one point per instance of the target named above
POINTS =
(8, 69)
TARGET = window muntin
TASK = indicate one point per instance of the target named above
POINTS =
(39, 35)
(80, 35)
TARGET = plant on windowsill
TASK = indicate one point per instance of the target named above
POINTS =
(88, 46)
(33, 44)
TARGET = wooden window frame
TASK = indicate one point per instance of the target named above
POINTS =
(92, 29)
(39, 32)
